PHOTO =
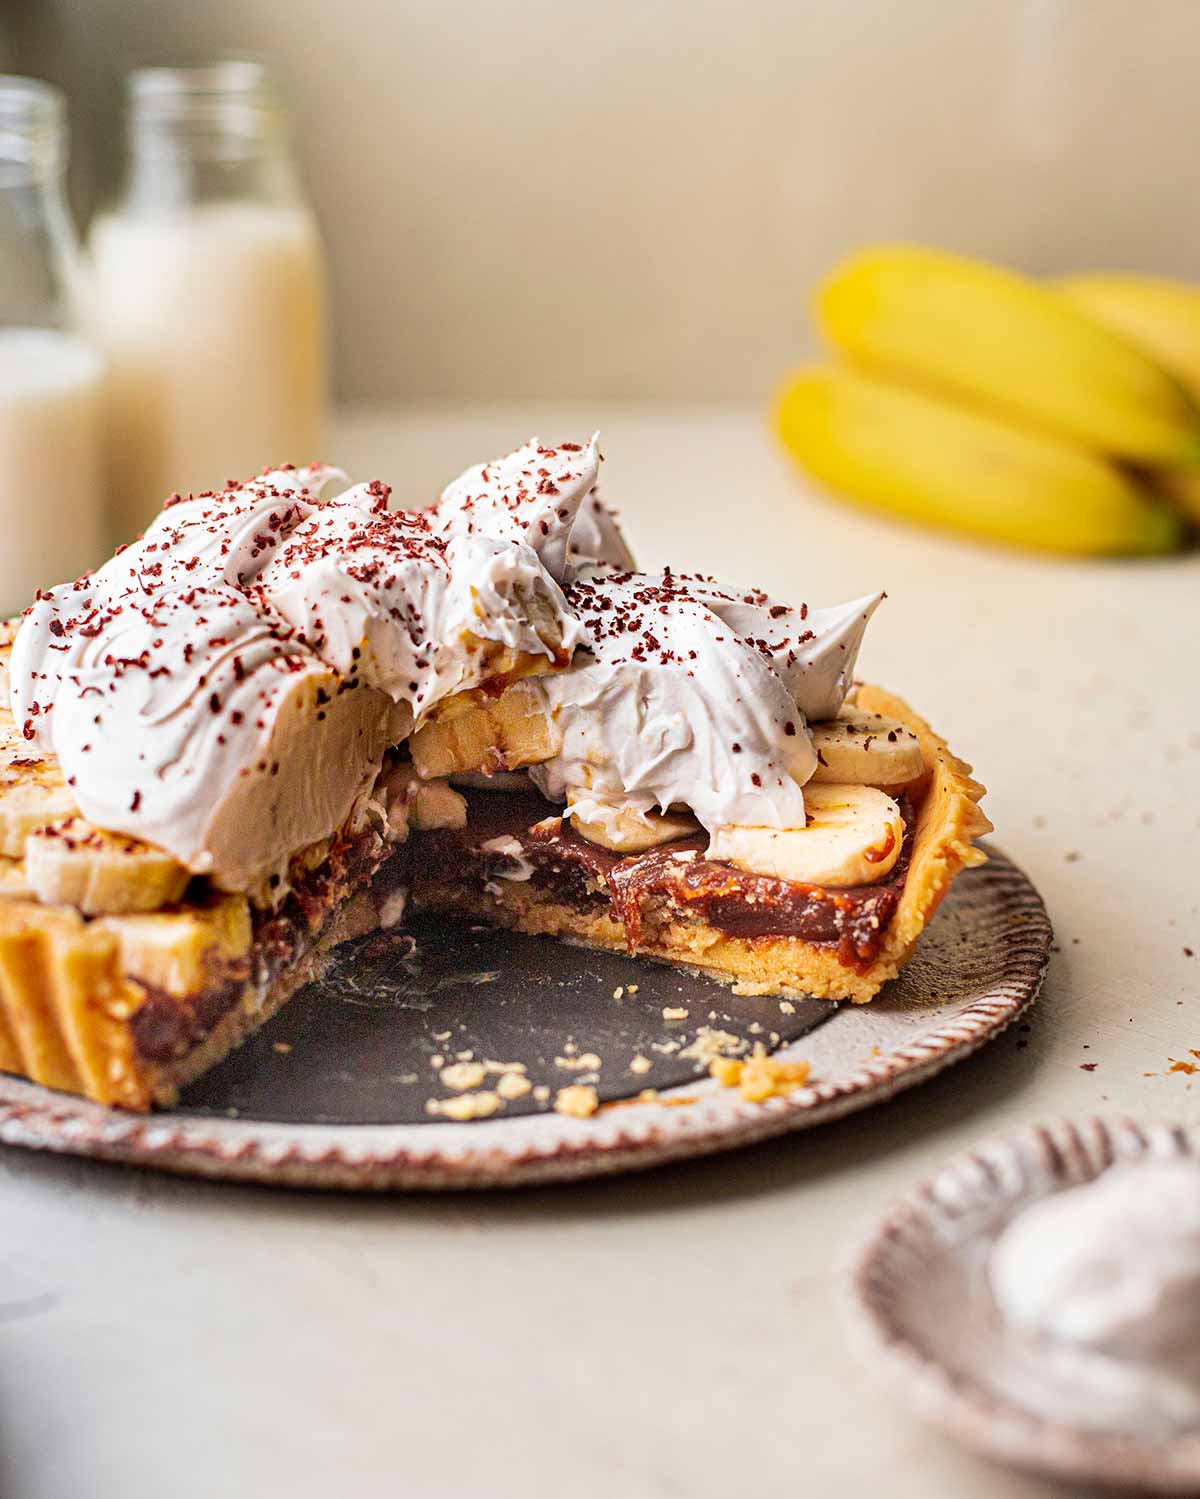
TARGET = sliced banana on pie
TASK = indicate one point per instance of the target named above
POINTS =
(853, 837)
(424, 805)
(472, 733)
(33, 795)
(627, 831)
(99, 873)
(14, 882)
(865, 749)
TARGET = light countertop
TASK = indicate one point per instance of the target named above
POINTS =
(674, 1333)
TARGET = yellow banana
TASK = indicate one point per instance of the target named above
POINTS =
(933, 461)
(1182, 486)
(985, 334)
(1162, 317)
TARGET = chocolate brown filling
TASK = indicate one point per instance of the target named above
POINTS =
(573, 872)
(564, 867)
(166, 1026)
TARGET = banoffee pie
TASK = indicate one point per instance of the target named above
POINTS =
(287, 715)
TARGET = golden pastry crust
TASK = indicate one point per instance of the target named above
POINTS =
(949, 821)
(68, 1002)
(66, 1006)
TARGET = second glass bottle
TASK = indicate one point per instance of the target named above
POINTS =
(210, 285)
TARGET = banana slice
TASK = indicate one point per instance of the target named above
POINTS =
(13, 744)
(437, 805)
(472, 733)
(420, 804)
(14, 882)
(33, 795)
(181, 950)
(853, 837)
(628, 832)
(865, 749)
(101, 874)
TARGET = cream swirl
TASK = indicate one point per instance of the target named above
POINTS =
(226, 687)
(531, 496)
(687, 694)
(388, 598)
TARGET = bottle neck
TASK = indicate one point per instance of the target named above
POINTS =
(33, 135)
(40, 267)
(206, 134)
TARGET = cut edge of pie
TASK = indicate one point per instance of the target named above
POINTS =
(75, 1011)
(947, 820)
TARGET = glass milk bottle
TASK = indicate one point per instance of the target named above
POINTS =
(210, 292)
(51, 381)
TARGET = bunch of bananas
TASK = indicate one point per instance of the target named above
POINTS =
(1060, 416)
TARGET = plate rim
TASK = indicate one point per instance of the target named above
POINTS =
(535, 1149)
(1064, 1151)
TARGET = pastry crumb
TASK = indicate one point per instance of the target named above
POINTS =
(463, 1075)
(578, 1100)
(587, 1061)
(541, 1093)
(759, 1076)
(465, 1106)
(282, 1047)
(675, 1013)
(709, 1043)
(618, 992)
(513, 1085)
(640, 1064)
(786, 1007)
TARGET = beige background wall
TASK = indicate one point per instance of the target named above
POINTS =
(629, 197)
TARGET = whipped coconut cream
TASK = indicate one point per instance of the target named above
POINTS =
(227, 686)
(545, 498)
(1108, 1275)
(686, 694)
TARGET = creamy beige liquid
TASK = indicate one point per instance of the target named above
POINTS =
(211, 318)
(51, 462)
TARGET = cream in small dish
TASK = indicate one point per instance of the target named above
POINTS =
(1036, 1298)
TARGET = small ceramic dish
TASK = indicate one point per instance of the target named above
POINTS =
(922, 1313)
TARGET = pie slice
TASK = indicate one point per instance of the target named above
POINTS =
(515, 863)
(278, 721)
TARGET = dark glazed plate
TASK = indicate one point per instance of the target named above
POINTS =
(360, 1042)
(334, 1091)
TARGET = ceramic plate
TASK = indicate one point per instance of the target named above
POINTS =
(921, 1310)
(334, 1091)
